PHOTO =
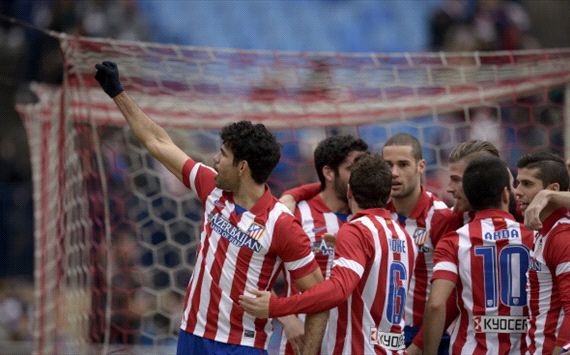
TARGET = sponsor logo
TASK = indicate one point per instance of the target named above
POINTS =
(389, 341)
(500, 324)
(502, 234)
(234, 235)
(249, 333)
(420, 236)
(321, 247)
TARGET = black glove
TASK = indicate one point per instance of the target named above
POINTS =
(108, 77)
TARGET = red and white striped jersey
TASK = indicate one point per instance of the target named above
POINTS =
(238, 249)
(487, 259)
(374, 259)
(549, 281)
(428, 222)
(317, 220)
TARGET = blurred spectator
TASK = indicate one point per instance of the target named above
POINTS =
(488, 25)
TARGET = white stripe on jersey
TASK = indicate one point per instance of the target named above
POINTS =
(198, 265)
(350, 264)
(307, 220)
(294, 265)
(562, 268)
(446, 266)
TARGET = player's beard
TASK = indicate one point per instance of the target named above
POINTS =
(224, 183)
(340, 188)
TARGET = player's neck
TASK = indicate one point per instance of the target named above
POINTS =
(547, 211)
(406, 205)
(248, 193)
(333, 202)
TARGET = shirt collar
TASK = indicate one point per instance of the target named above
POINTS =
(423, 201)
(264, 203)
(549, 221)
(492, 213)
(381, 212)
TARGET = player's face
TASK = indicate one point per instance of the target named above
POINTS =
(455, 186)
(406, 172)
(343, 174)
(228, 173)
(528, 185)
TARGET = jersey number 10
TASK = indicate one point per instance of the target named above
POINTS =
(507, 272)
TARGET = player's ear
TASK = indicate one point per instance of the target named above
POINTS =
(348, 192)
(554, 186)
(421, 165)
(328, 173)
(506, 195)
(242, 167)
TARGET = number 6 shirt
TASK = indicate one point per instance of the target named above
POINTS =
(374, 259)
(488, 260)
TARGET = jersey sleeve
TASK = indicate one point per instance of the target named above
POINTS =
(350, 261)
(304, 192)
(557, 257)
(445, 258)
(199, 178)
(293, 246)
(443, 222)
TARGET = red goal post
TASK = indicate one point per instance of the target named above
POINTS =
(115, 235)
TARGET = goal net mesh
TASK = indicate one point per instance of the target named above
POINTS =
(116, 234)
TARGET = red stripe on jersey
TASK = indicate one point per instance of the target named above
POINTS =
(342, 324)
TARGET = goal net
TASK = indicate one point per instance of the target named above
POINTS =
(116, 234)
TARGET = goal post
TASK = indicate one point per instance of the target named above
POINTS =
(116, 234)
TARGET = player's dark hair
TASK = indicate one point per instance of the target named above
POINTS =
(484, 181)
(332, 151)
(406, 139)
(370, 181)
(550, 167)
(254, 144)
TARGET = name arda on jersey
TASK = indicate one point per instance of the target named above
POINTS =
(502, 234)
(234, 235)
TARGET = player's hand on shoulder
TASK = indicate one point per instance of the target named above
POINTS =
(108, 77)
(289, 201)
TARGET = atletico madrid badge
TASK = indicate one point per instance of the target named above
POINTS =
(420, 236)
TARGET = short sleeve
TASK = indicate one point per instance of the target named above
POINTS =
(352, 250)
(445, 258)
(293, 246)
(199, 177)
(443, 221)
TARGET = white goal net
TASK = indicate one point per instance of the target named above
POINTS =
(116, 235)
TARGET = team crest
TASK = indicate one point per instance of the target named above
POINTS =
(420, 236)
(255, 230)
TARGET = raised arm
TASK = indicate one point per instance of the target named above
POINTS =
(152, 136)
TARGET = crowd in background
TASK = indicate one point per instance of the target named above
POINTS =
(27, 55)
